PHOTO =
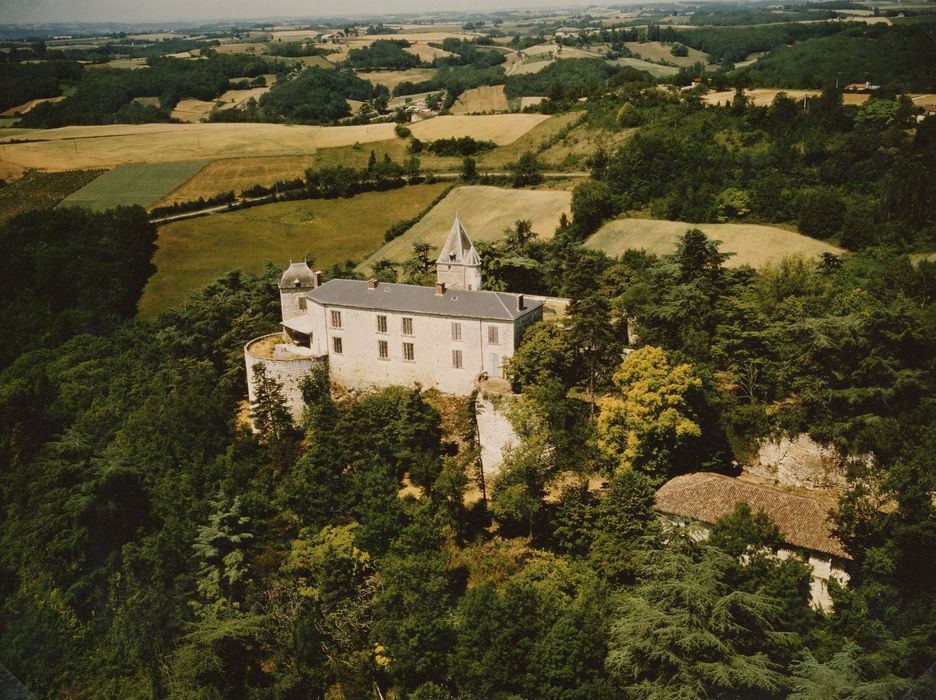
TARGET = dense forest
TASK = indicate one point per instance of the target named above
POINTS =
(153, 546)
(859, 176)
(106, 95)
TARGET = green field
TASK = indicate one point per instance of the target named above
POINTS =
(38, 190)
(752, 244)
(193, 252)
(134, 183)
(654, 69)
(485, 212)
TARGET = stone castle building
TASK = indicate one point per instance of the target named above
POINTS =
(377, 334)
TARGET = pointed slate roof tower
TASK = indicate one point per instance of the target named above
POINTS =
(459, 265)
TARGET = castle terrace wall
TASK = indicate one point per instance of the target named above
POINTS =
(287, 364)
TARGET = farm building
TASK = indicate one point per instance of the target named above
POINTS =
(703, 497)
(375, 334)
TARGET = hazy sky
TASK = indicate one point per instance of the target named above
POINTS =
(162, 10)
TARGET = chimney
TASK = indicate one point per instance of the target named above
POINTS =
(520, 306)
(372, 284)
(440, 288)
(316, 279)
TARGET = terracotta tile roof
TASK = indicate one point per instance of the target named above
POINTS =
(705, 496)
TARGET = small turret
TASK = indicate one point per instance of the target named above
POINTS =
(459, 265)
(295, 281)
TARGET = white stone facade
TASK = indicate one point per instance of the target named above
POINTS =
(408, 347)
(372, 335)
(823, 566)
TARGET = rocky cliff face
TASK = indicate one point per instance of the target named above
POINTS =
(800, 462)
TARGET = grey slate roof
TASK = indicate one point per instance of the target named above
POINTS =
(11, 688)
(297, 271)
(458, 248)
(408, 298)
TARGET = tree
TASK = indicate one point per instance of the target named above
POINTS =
(624, 518)
(592, 203)
(469, 169)
(650, 423)
(520, 236)
(545, 353)
(821, 212)
(220, 547)
(839, 678)
(418, 268)
(683, 632)
(268, 411)
(526, 171)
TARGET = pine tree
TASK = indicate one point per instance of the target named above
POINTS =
(268, 411)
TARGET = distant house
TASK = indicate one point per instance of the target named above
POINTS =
(567, 32)
(703, 497)
(861, 87)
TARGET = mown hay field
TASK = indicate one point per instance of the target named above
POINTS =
(654, 69)
(752, 244)
(657, 51)
(502, 129)
(78, 147)
(194, 111)
(28, 106)
(530, 141)
(763, 97)
(392, 78)
(490, 98)
(133, 183)
(193, 252)
(41, 191)
(485, 213)
(238, 174)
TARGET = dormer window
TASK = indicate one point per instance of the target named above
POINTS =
(297, 284)
(452, 255)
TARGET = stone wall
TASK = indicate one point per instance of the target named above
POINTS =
(800, 462)
(495, 432)
(287, 364)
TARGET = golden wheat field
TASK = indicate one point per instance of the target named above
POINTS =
(77, 147)
(238, 174)
(490, 98)
(502, 129)
(485, 213)
(752, 244)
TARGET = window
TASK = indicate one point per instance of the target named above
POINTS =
(302, 303)
(383, 351)
(336, 345)
(493, 337)
(381, 324)
(408, 354)
(456, 330)
(457, 359)
(336, 319)
(407, 326)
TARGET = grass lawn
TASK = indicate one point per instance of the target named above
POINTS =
(485, 212)
(134, 183)
(193, 252)
(752, 244)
